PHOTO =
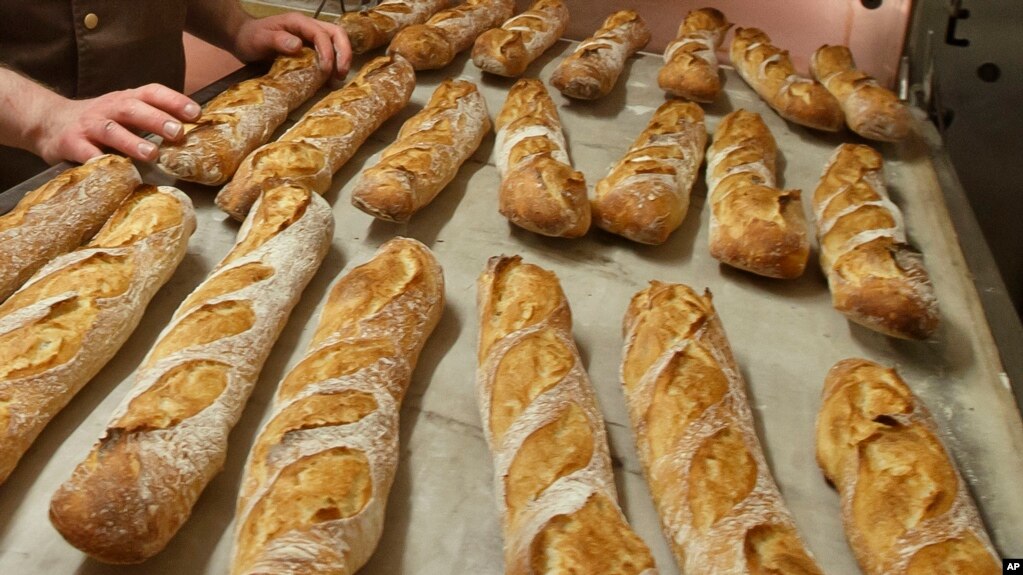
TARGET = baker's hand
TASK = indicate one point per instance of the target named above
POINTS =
(262, 38)
(77, 130)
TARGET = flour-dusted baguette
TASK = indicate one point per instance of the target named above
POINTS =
(168, 437)
(695, 437)
(906, 508)
(540, 191)
(326, 137)
(645, 197)
(508, 50)
(65, 324)
(690, 62)
(876, 278)
(315, 486)
(241, 118)
(753, 225)
(435, 44)
(769, 71)
(430, 148)
(593, 69)
(552, 469)
(372, 28)
(871, 110)
(60, 215)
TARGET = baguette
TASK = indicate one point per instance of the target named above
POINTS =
(60, 215)
(240, 119)
(690, 62)
(372, 28)
(65, 324)
(753, 225)
(876, 278)
(645, 197)
(906, 508)
(871, 110)
(552, 469)
(593, 69)
(540, 191)
(769, 71)
(430, 148)
(326, 137)
(168, 437)
(718, 503)
(508, 50)
(435, 44)
(315, 486)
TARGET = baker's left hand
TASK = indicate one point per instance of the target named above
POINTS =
(262, 38)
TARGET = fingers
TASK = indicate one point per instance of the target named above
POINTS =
(113, 135)
(170, 101)
(138, 115)
(286, 43)
(342, 49)
(285, 34)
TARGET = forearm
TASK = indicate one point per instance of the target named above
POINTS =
(216, 21)
(26, 105)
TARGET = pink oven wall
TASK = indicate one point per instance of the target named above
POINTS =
(875, 36)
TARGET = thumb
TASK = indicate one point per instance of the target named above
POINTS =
(287, 42)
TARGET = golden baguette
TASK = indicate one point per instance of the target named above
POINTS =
(315, 486)
(690, 61)
(69, 320)
(508, 50)
(372, 28)
(552, 470)
(434, 44)
(591, 71)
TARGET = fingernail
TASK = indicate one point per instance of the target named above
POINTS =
(293, 43)
(192, 110)
(171, 129)
(147, 149)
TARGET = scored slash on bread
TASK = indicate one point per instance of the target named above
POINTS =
(435, 44)
(690, 61)
(508, 50)
(372, 28)
(591, 71)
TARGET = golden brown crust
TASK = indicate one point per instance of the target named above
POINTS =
(593, 69)
(718, 503)
(690, 62)
(554, 480)
(372, 28)
(508, 50)
(645, 196)
(769, 71)
(905, 507)
(876, 278)
(435, 44)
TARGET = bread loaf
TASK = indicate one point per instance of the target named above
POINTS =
(326, 137)
(315, 486)
(753, 225)
(552, 469)
(876, 278)
(430, 148)
(906, 508)
(540, 191)
(65, 324)
(695, 437)
(372, 28)
(168, 437)
(241, 118)
(593, 69)
(435, 44)
(769, 71)
(60, 215)
(871, 110)
(645, 197)
(690, 62)
(508, 50)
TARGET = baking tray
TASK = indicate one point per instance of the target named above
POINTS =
(442, 517)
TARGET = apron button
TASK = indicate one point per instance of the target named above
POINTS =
(91, 20)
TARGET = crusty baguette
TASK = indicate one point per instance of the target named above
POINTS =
(372, 28)
(753, 225)
(552, 470)
(593, 69)
(871, 110)
(690, 62)
(645, 197)
(60, 215)
(326, 137)
(876, 278)
(315, 486)
(540, 190)
(241, 118)
(430, 148)
(65, 324)
(508, 50)
(435, 44)
(695, 437)
(769, 71)
(906, 508)
(168, 437)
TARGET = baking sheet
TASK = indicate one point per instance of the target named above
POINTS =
(442, 518)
